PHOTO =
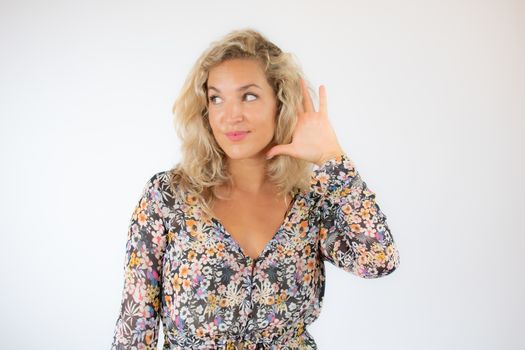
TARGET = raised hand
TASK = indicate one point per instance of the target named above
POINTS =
(313, 139)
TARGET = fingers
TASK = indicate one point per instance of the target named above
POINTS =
(322, 100)
(301, 108)
(307, 100)
(308, 105)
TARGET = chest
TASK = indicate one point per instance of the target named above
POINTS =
(252, 223)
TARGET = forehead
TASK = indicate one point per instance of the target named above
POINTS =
(237, 71)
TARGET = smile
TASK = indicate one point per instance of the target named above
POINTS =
(237, 135)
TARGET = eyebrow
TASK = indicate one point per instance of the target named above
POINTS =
(244, 87)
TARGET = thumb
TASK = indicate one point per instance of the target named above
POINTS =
(279, 149)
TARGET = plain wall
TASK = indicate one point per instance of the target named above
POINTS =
(427, 97)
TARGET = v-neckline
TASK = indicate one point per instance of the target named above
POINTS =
(267, 245)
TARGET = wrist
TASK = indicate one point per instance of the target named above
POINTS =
(329, 155)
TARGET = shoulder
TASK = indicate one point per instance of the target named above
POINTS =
(158, 184)
(160, 178)
(157, 180)
(164, 185)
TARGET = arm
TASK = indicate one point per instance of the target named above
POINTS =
(353, 233)
(138, 320)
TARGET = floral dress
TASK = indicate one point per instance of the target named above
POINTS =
(183, 268)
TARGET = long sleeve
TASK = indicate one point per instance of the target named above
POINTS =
(138, 320)
(353, 233)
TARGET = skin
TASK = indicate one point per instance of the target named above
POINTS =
(254, 108)
(232, 108)
(240, 99)
(255, 210)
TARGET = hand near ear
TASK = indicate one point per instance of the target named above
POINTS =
(313, 139)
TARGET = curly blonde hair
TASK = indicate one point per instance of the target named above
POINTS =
(203, 164)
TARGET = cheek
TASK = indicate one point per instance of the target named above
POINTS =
(266, 131)
(213, 120)
(215, 130)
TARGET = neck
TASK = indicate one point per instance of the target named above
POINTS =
(249, 176)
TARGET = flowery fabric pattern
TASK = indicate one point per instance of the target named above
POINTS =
(183, 268)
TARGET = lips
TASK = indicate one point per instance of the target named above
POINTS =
(237, 135)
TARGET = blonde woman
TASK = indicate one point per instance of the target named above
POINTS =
(227, 248)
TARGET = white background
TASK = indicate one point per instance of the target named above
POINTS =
(427, 97)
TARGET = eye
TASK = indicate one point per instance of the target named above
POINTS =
(250, 94)
(212, 98)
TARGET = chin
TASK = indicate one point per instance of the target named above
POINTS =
(241, 154)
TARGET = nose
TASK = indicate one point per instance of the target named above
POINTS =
(234, 111)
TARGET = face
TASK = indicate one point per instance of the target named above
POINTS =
(241, 100)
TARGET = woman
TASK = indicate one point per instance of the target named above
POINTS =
(227, 249)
